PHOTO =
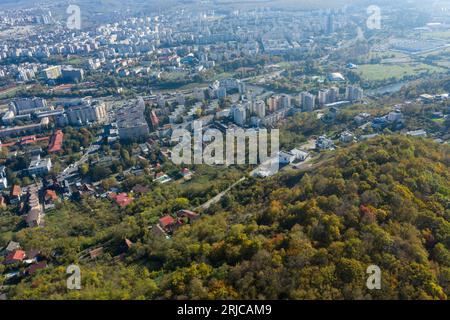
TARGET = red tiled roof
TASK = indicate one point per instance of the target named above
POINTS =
(123, 200)
(50, 195)
(32, 139)
(56, 142)
(27, 138)
(154, 118)
(16, 191)
(166, 221)
(17, 255)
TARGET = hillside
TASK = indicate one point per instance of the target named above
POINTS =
(297, 236)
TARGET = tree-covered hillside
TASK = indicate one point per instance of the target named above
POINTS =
(312, 235)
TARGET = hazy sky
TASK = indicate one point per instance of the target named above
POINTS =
(303, 4)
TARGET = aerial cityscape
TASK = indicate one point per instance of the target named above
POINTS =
(223, 150)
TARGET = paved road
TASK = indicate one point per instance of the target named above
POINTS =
(73, 168)
(217, 198)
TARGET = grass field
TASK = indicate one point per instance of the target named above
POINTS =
(377, 72)
(439, 121)
(441, 51)
(75, 61)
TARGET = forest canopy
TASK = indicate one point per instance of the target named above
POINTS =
(298, 235)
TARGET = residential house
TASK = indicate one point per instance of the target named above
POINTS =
(347, 137)
(12, 246)
(166, 223)
(14, 257)
(122, 199)
(50, 196)
(417, 133)
(362, 118)
(190, 215)
(299, 154)
(35, 267)
(85, 189)
(162, 178)
(286, 157)
(186, 173)
(15, 195)
(32, 256)
(140, 189)
(323, 143)
(426, 98)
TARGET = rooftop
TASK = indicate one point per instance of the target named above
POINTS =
(56, 142)
(166, 221)
(16, 191)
